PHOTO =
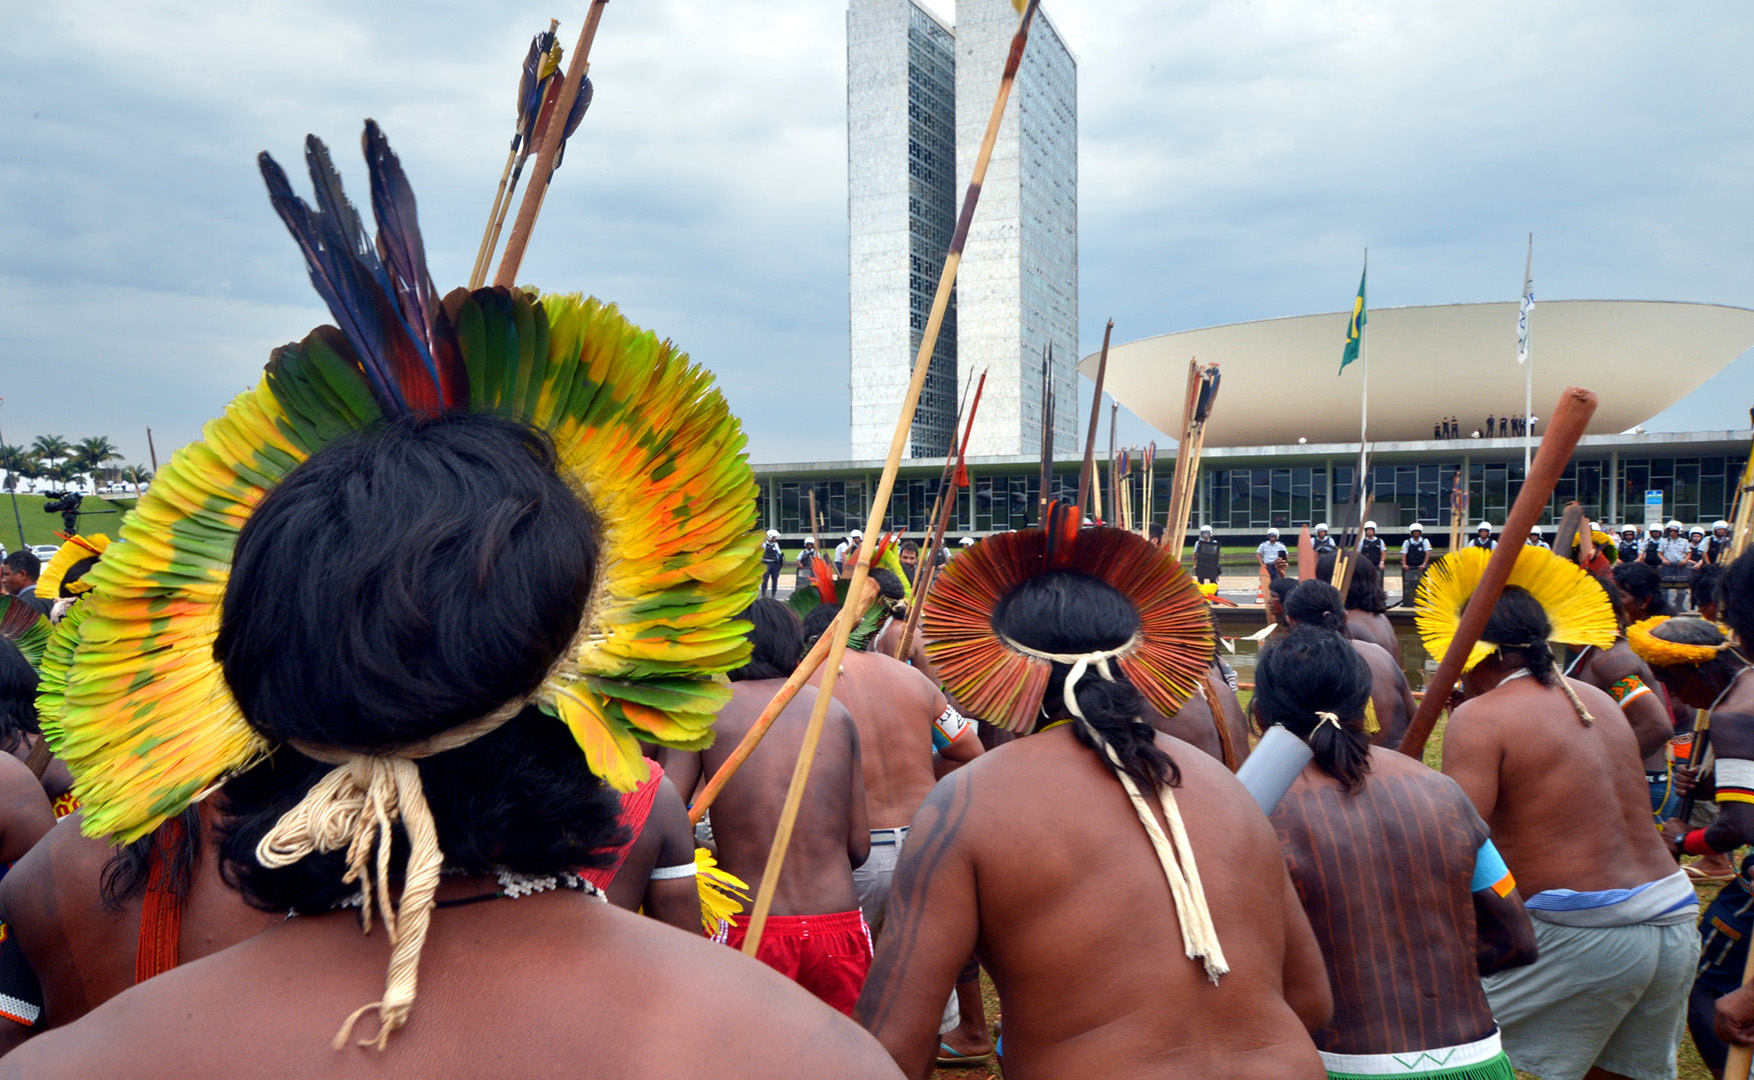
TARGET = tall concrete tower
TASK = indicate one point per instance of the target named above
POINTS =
(901, 209)
(1017, 290)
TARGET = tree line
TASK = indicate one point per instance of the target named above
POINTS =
(61, 463)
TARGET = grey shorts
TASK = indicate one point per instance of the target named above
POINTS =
(1614, 997)
(871, 880)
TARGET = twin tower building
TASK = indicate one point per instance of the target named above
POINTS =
(919, 92)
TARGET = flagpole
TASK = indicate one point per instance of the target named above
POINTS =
(1528, 358)
(1364, 355)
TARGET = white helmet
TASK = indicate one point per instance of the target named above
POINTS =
(1484, 527)
(1629, 528)
(1720, 523)
(1204, 529)
(1696, 531)
(856, 535)
(1370, 524)
(1676, 525)
(809, 541)
(967, 541)
(1416, 527)
(773, 534)
(1322, 527)
(1272, 532)
(1535, 530)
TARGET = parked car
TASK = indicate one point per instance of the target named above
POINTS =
(45, 552)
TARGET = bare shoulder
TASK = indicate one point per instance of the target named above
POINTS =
(1375, 655)
(18, 783)
(65, 847)
(901, 673)
(1392, 763)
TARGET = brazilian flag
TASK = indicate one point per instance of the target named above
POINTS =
(1355, 325)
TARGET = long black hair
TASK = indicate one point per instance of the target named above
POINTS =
(1067, 612)
(18, 697)
(1519, 624)
(777, 639)
(178, 843)
(1316, 603)
(400, 583)
(1314, 670)
(1365, 591)
(1735, 597)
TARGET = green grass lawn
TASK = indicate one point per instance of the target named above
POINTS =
(41, 527)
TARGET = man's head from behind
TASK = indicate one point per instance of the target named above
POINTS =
(399, 584)
(776, 638)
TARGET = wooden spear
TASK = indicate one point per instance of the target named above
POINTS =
(782, 837)
(943, 486)
(551, 143)
(927, 569)
(788, 690)
(1114, 486)
(1570, 417)
(1047, 436)
(1088, 472)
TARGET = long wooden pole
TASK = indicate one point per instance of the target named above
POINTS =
(943, 486)
(1114, 485)
(787, 691)
(782, 837)
(1087, 472)
(1741, 1057)
(1570, 417)
(928, 567)
(552, 134)
(1047, 435)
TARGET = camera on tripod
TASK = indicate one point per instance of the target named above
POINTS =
(65, 503)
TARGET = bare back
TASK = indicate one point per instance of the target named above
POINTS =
(1390, 696)
(25, 813)
(1034, 858)
(1376, 628)
(1647, 713)
(1193, 723)
(831, 836)
(893, 706)
(84, 954)
(1567, 803)
(554, 984)
(1405, 975)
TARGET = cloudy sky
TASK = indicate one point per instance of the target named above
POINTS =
(1234, 159)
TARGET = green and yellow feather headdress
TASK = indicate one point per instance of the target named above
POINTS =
(148, 722)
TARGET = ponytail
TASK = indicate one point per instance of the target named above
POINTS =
(1314, 684)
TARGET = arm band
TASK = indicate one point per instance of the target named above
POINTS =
(1694, 844)
(1735, 780)
(1628, 690)
(1490, 872)
(948, 726)
(670, 873)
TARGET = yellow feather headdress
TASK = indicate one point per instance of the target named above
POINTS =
(1576, 606)
(73, 551)
(1660, 652)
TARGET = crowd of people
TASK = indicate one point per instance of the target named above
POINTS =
(436, 714)
(1500, 427)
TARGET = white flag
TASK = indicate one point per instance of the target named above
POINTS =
(1528, 305)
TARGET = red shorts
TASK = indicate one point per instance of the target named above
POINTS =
(828, 955)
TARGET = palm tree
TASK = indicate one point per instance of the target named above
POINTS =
(19, 464)
(137, 475)
(91, 455)
(49, 449)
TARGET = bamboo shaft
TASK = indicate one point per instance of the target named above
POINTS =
(484, 254)
(1087, 472)
(787, 691)
(885, 485)
(1570, 416)
(925, 576)
(556, 126)
(1736, 1065)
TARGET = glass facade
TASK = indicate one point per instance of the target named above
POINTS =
(1696, 489)
(931, 215)
(1047, 116)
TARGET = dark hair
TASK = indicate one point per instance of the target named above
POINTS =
(1314, 669)
(1642, 582)
(1155, 532)
(1283, 587)
(125, 875)
(1684, 630)
(1316, 603)
(1519, 624)
(1735, 596)
(1365, 591)
(26, 562)
(888, 583)
(907, 546)
(778, 639)
(817, 622)
(1064, 611)
(74, 573)
(18, 697)
(1703, 590)
(400, 583)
